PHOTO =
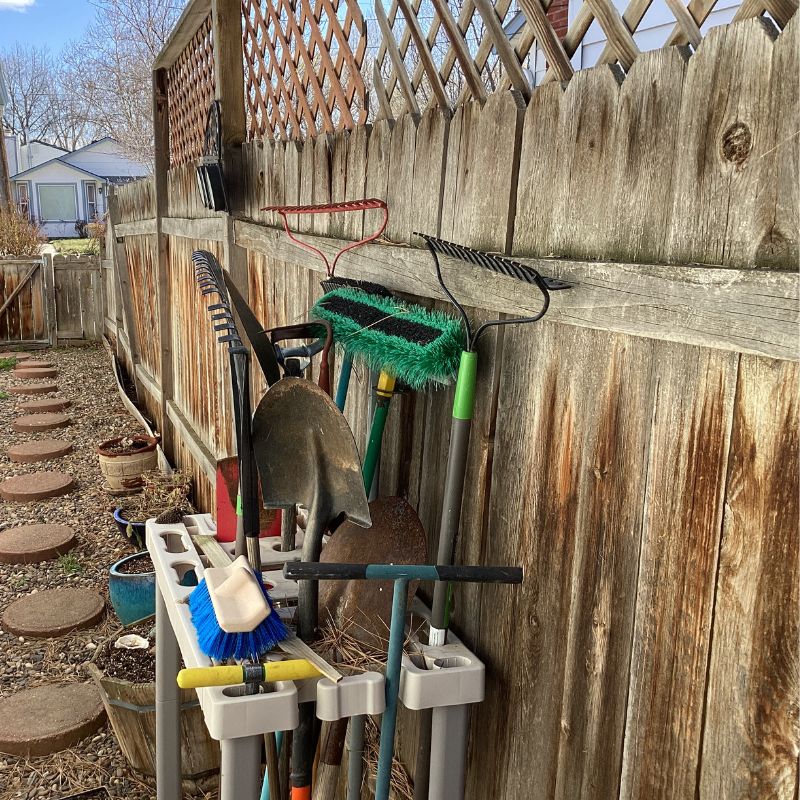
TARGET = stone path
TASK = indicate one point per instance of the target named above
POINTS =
(47, 718)
(48, 404)
(34, 388)
(40, 422)
(53, 612)
(33, 372)
(66, 542)
(42, 720)
(30, 544)
(39, 450)
(39, 486)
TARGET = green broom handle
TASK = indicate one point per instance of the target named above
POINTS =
(461, 426)
(460, 430)
(384, 392)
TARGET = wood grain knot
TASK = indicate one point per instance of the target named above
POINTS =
(737, 142)
(772, 246)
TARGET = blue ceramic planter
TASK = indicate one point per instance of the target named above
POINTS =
(137, 534)
(133, 596)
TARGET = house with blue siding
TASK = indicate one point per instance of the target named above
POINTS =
(60, 189)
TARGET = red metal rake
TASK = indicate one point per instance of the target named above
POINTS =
(332, 208)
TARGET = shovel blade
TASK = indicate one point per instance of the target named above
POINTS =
(306, 453)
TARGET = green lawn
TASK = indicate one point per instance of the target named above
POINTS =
(75, 246)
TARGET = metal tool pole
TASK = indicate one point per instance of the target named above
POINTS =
(355, 762)
(168, 710)
(448, 752)
(240, 768)
(394, 659)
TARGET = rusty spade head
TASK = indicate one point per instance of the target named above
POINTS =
(306, 454)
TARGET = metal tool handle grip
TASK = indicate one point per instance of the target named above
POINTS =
(305, 570)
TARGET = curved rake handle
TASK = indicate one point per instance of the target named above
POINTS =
(333, 208)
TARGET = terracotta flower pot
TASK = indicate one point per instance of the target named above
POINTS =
(123, 467)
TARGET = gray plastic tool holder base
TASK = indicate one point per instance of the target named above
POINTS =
(453, 674)
(228, 712)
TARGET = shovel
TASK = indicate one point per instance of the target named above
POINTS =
(306, 453)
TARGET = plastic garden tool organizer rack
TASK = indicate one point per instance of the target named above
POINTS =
(454, 676)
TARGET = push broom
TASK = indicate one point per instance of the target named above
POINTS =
(402, 341)
(460, 430)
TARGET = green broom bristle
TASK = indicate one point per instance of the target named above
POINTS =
(411, 343)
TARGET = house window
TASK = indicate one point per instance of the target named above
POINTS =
(91, 202)
(58, 202)
(23, 200)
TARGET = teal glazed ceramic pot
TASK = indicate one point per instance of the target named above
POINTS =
(132, 594)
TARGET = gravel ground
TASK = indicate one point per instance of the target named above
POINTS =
(85, 377)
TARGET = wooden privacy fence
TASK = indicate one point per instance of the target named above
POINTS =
(22, 307)
(51, 300)
(636, 452)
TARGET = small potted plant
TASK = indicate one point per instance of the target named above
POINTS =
(132, 588)
(163, 497)
(124, 459)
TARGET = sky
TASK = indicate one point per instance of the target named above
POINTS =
(50, 22)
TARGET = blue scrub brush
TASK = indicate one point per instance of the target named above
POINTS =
(233, 613)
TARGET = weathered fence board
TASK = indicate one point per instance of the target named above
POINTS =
(22, 288)
(686, 473)
(727, 128)
(750, 742)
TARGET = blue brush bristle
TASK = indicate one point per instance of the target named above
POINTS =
(218, 644)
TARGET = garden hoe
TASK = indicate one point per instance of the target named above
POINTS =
(306, 454)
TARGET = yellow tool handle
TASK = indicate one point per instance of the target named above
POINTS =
(294, 670)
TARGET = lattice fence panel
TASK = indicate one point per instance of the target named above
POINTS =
(435, 52)
(310, 68)
(190, 90)
(303, 66)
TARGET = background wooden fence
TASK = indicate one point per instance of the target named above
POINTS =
(637, 451)
(51, 300)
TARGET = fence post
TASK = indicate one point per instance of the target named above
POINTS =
(50, 298)
(122, 275)
(229, 90)
(161, 166)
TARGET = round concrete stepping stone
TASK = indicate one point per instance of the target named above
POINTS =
(49, 718)
(36, 486)
(30, 363)
(53, 612)
(40, 422)
(42, 450)
(24, 373)
(34, 388)
(43, 406)
(12, 354)
(30, 544)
